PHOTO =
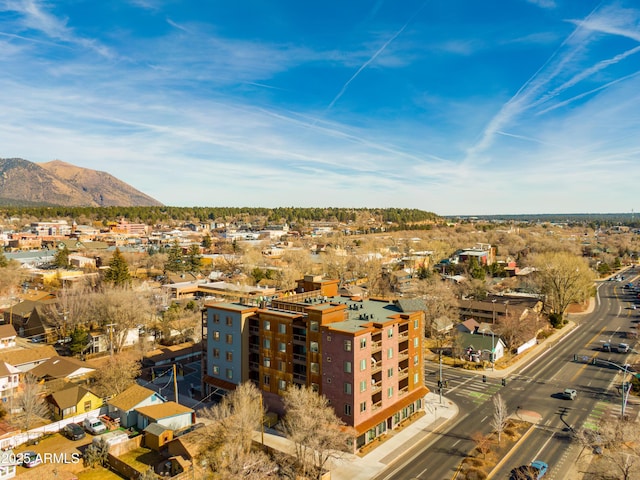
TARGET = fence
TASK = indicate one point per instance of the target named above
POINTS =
(35, 433)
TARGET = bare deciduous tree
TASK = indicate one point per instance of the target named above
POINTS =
(31, 403)
(316, 432)
(119, 373)
(563, 278)
(500, 416)
(483, 443)
(619, 444)
(119, 310)
(227, 442)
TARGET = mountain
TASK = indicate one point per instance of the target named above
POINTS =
(58, 183)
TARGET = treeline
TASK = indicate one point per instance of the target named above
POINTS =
(162, 215)
(592, 220)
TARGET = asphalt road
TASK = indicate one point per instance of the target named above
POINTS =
(535, 388)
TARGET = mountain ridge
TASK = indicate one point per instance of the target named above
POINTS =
(23, 182)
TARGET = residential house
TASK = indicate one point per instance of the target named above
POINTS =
(468, 326)
(7, 336)
(65, 368)
(29, 319)
(123, 405)
(24, 359)
(168, 414)
(479, 346)
(9, 381)
(364, 355)
(72, 401)
(497, 307)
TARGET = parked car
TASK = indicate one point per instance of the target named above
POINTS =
(535, 471)
(31, 459)
(623, 348)
(73, 431)
(94, 426)
(569, 394)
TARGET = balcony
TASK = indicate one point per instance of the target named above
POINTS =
(376, 346)
(403, 335)
(376, 387)
(376, 406)
(403, 373)
(403, 355)
(376, 366)
(253, 329)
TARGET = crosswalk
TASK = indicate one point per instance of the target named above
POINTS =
(605, 410)
(472, 388)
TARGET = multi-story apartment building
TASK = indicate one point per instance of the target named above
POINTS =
(364, 355)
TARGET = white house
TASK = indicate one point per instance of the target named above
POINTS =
(9, 381)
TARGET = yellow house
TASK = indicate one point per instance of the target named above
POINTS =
(71, 401)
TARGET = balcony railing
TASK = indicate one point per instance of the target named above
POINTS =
(376, 367)
(376, 387)
(403, 355)
(403, 335)
(376, 406)
(376, 346)
(404, 373)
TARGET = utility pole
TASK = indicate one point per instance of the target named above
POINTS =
(175, 383)
(110, 327)
(441, 381)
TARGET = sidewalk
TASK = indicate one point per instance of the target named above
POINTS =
(355, 467)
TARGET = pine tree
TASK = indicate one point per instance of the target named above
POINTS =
(118, 272)
(194, 258)
(61, 258)
(174, 260)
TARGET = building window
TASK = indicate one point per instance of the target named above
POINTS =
(314, 367)
(415, 378)
(87, 405)
(416, 324)
(266, 380)
(416, 359)
(266, 362)
(347, 367)
(390, 333)
(282, 366)
(216, 335)
(347, 388)
(390, 372)
(216, 353)
(229, 373)
(314, 326)
(363, 407)
(390, 353)
(363, 342)
(266, 343)
(347, 409)
(282, 347)
(363, 386)
(282, 328)
(415, 341)
(282, 384)
(313, 347)
(216, 370)
(229, 338)
(229, 356)
(216, 318)
(266, 325)
(347, 345)
(390, 392)
(229, 321)
(363, 365)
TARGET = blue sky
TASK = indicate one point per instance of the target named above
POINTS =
(451, 106)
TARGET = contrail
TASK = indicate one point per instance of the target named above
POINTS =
(373, 57)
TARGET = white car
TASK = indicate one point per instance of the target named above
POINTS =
(94, 425)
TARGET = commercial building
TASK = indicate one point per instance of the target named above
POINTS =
(363, 355)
